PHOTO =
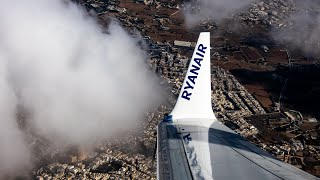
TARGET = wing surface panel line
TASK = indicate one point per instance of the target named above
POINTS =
(222, 140)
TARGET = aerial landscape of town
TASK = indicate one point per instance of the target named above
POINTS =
(264, 89)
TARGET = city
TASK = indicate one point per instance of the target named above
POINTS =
(252, 88)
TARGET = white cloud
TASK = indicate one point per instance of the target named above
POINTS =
(79, 85)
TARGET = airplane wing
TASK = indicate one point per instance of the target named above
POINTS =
(193, 144)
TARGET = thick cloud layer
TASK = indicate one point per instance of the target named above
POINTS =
(199, 10)
(13, 152)
(76, 84)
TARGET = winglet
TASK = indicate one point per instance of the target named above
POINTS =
(195, 96)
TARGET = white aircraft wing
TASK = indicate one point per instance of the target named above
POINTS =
(192, 144)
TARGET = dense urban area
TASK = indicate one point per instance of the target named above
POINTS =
(257, 87)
